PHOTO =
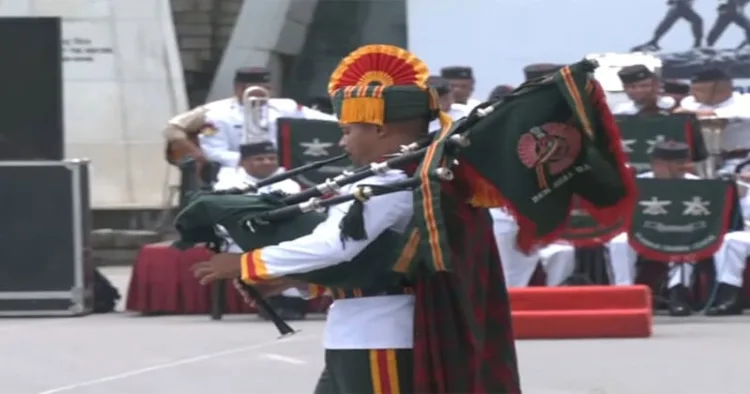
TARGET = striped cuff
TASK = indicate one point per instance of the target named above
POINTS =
(315, 291)
(253, 268)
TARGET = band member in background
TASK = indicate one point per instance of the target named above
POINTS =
(676, 90)
(258, 161)
(669, 160)
(729, 11)
(538, 70)
(676, 10)
(713, 95)
(461, 79)
(445, 101)
(731, 261)
(643, 88)
(499, 92)
(557, 259)
(224, 125)
(182, 133)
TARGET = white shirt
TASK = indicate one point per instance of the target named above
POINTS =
(225, 122)
(456, 112)
(631, 108)
(736, 109)
(381, 322)
(230, 178)
(471, 103)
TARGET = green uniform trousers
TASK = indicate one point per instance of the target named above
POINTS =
(384, 371)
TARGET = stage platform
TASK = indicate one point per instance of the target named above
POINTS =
(125, 354)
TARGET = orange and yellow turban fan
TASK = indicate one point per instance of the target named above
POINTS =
(379, 84)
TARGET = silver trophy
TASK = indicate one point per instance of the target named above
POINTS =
(712, 128)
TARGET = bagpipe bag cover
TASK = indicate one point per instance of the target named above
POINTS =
(196, 223)
(550, 141)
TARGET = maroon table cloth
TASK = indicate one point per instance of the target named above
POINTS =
(162, 283)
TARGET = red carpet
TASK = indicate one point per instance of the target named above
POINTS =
(581, 312)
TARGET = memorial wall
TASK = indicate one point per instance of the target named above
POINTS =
(122, 81)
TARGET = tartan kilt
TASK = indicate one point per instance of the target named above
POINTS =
(463, 338)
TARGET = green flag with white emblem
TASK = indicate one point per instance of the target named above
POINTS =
(302, 141)
(640, 133)
(682, 219)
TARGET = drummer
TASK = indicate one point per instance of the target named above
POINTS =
(713, 95)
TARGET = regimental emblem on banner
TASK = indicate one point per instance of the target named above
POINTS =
(681, 219)
(640, 133)
(302, 141)
(316, 148)
(551, 151)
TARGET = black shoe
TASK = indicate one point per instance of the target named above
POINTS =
(727, 301)
(677, 303)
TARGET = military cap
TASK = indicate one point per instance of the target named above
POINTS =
(440, 84)
(256, 148)
(676, 87)
(457, 72)
(379, 84)
(538, 70)
(671, 150)
(633, 74)
(711, 75)
(500, 91)
(252, 75)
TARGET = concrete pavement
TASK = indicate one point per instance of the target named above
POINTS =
(122, 353)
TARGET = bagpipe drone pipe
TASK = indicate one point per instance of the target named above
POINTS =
(550, 140)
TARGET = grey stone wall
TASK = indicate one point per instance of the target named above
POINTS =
(203, 28)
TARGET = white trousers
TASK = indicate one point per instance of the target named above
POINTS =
(731, 258)
(558, 261)
(729, 261)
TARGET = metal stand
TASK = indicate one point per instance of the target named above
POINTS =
(711, 129)
(188, 180)
(218, 290)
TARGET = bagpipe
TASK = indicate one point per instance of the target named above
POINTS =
(253, 221)
(550, 140)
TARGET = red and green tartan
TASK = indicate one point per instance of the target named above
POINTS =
(547, 143)
(475, 354)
